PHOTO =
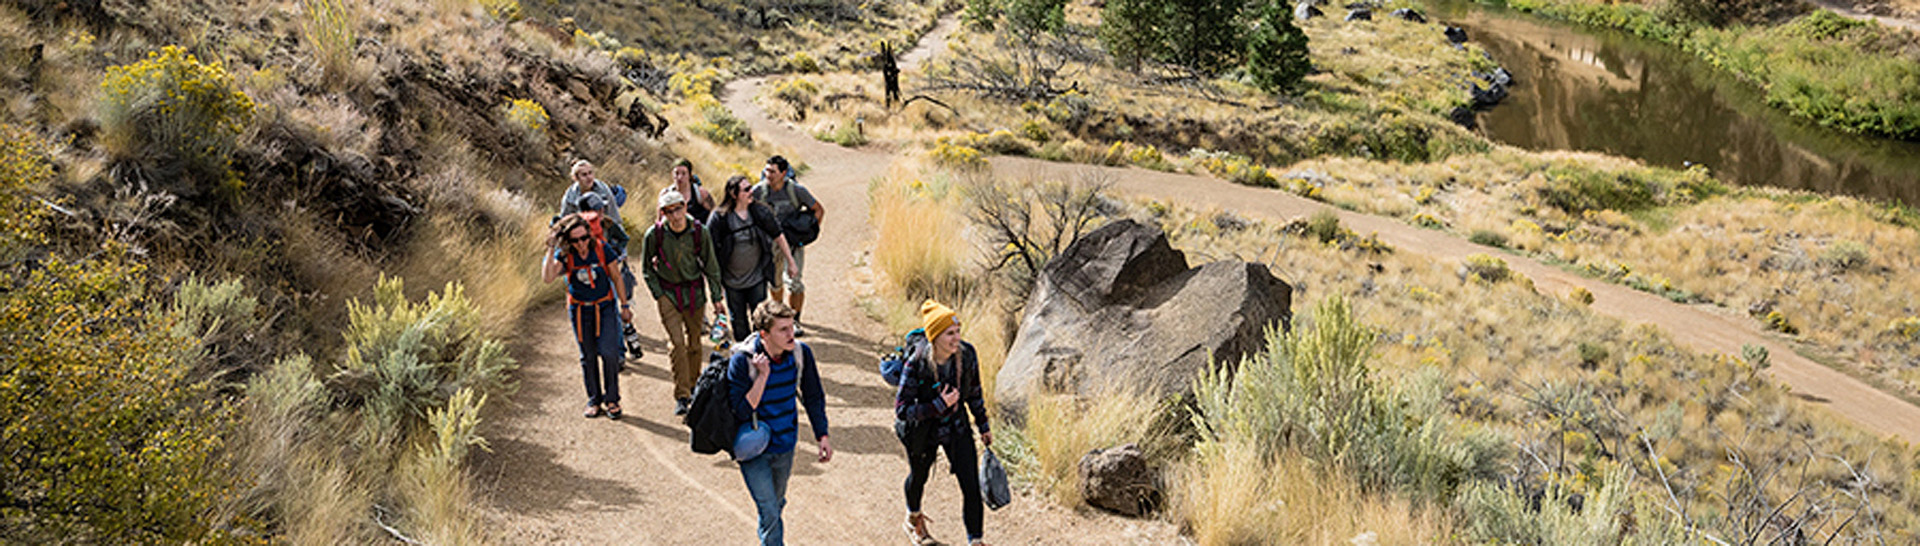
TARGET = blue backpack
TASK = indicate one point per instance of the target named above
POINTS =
(894, 362)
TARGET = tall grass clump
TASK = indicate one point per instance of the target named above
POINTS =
(111, 436)
(329, 28)
(176, 113)
(914, 239)
(1060, 429)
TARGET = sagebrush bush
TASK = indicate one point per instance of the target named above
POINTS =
(1313, 391)
(528, 119)
(25, 164)
(946, 152)
(504, 10)
(798, 93)
(1846, 256)
(718, 124)
(174, 111)
(404, 358)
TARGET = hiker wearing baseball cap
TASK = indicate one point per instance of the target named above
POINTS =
(677, 260)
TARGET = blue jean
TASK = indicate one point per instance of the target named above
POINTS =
(766, 477)
(597, 329)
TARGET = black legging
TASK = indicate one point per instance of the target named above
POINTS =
(740, 304)
(966, 467)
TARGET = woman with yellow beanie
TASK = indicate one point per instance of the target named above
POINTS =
(941, 374)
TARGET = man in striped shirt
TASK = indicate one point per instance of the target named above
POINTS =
(769, 382)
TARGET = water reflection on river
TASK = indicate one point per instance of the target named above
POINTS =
(1615, 93)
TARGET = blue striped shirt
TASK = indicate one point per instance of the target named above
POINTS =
(790, 383)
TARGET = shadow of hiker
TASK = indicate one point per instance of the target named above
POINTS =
(526, 478)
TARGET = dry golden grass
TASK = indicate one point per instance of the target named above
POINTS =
(1060, 429)
(1238, 494)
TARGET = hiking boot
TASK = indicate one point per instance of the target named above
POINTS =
(797, 332)
(680, 405)
(916, 527)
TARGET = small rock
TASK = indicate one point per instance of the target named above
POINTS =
(1305, 10)
(1360, 14)
(1409, 15)
(1456, 35)
(1119, 479)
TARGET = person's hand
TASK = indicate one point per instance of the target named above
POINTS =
(793, 269)
(761, 364)
(951, 396)
(626, 314)
(826, 450)
(719, 310)
(986, 438)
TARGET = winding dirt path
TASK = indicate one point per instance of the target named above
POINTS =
(556, 478)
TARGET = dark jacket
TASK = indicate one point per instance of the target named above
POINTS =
(919, 399)
(767, 227)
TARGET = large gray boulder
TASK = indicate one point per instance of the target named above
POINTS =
(1120, 309)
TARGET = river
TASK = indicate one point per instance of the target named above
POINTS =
(1607, 91)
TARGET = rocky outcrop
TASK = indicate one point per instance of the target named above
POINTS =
(1119, 479)
(1120, 309)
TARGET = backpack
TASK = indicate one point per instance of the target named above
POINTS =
(800, 227)
(709, 415)
(893, 362)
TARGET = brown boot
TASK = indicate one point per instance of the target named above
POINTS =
(916, 527)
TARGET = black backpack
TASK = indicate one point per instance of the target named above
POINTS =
(709, 415)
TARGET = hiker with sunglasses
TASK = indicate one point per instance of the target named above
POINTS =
(594, 306)
(745, 237)
(677, 260)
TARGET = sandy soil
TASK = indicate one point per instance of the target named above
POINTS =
(556, 478)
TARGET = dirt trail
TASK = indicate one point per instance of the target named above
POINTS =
(1701, 328)
(556, 478)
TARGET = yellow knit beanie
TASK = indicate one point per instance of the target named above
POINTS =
(935, 318)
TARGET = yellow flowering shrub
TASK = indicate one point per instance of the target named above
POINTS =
(504, 10)
(946, 152)
(800, 61)
(172, 106)
(798, 93)
(110, 438)
(529, 118)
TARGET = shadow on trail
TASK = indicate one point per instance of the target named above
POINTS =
(559, 489)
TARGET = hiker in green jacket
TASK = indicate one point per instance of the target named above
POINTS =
(677, 260)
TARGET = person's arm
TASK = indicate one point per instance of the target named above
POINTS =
(618, 236)
(819, 212)
(973, 395)
(711, 271)
(743, 388)
(570, 203)
(550, 266)
(649, 246)
(815, 400)
(619, 283)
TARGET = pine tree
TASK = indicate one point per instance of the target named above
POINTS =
(1277, 51)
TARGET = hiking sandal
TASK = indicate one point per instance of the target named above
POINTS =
(593, 410)
(613, 410)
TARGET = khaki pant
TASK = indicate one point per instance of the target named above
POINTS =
(686, 338)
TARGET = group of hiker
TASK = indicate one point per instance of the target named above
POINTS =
(746, 258)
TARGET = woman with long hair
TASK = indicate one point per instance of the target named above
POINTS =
(745, 237)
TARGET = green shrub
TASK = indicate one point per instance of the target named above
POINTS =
(1577, 190)
(798, 93)
(25, 164)
(1488, 237)
(1035, 131)
(1277, 50)
(504, 10)
(1324, 226)
(1592, 355)
(222, 317)
(1486, 268)
(800, 61)
(718, 124)
(845, 134)
(404, 359)
(175, 112)
(1606, 514)
(1778, 322)
(1313, 391)
(1845, 256)
(113, 440)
